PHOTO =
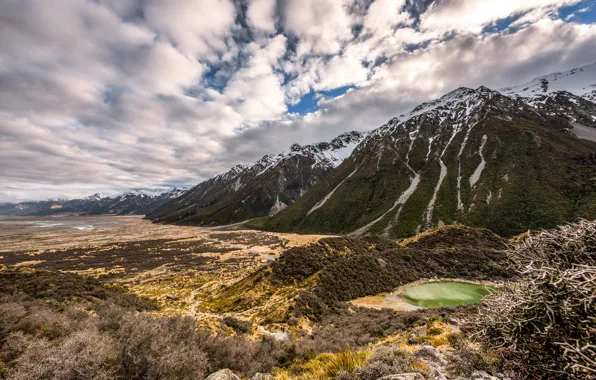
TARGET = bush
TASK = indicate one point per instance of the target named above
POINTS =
(546, 325)
(84, 355)
(238, 325)
(161, 348)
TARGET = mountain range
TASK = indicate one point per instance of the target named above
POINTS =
(510, 160)
(130, 203)
(264, 188)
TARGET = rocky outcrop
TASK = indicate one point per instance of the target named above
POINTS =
(224, 374)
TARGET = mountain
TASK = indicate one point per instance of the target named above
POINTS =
(131, 203)
(263, 188)
(580, 82)
(474, 156)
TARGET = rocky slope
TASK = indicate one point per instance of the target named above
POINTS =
(263, 188)
(131, 203)
(474, 156)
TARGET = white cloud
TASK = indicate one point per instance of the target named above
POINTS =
(473, 15)
(322, 25)
(261, 15)
(197, 27)
(256, 89)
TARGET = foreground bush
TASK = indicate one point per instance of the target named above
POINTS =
(546, 324)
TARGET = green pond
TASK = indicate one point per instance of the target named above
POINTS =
(447, 293)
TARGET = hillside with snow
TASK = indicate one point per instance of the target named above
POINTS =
(580, 82)
(263, 188)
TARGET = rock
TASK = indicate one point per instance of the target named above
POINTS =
(172, 297)
(430, 355)
(224, 374)
(481, 375)
(404, 376)
(453, 321)
(262, 376)
(420, 331)
(433, 358)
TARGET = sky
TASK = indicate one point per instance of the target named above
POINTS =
(110, 95)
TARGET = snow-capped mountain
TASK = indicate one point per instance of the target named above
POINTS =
(263, 188)
(580, 82)
(473, 156)
(137, 202)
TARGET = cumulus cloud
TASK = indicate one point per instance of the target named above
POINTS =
(472, 15)
(261, 15)
(106, 95)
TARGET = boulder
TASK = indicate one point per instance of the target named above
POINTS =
(262, 376)
(404, 376)
(481, 375)
(224, 374)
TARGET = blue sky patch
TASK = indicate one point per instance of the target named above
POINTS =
(583, 12)
(310, 102)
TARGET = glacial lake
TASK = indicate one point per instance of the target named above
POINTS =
(446, 293)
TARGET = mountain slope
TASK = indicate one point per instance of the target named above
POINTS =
(263, 188)
(580, 82)
(473, 156)
(131, 203)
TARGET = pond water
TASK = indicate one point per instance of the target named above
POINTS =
(447, 293)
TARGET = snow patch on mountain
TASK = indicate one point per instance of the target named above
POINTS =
(476, 175)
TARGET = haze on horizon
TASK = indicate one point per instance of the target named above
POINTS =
(110, 95)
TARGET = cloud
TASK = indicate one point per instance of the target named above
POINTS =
(261, 15)
(196, 27)
(473, 15)
(321, 25)
(106, 95)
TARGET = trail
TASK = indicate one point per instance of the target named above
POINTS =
(328, 196)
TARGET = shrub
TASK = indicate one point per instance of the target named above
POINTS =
(160, 348)
(546, 324)
(345, 361)
(239, 325)
(84, 355)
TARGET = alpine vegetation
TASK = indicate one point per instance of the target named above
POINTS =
(545, 324)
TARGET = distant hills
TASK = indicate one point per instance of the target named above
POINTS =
(130, 203)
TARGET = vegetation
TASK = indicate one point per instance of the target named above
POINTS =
(347, 268)
(545, 325)
(72, 334)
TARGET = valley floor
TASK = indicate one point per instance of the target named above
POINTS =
(165, 263)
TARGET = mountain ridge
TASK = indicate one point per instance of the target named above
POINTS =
(137, 202)
(263, 188)
(476, 157)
